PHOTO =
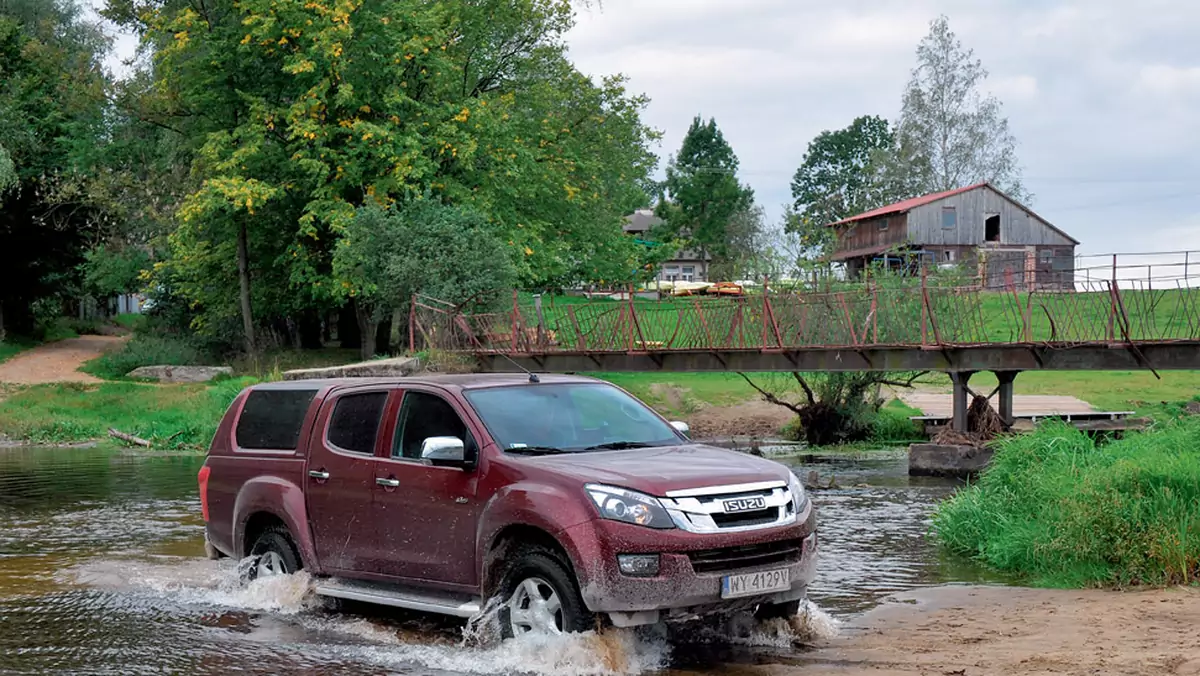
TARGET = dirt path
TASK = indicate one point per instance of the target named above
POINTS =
(57, 362)
(941, 404)
(976, 631)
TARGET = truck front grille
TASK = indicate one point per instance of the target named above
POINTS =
(739, 507)
(748, 556)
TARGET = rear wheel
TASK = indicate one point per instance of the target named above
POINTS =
(541, 596)
(273, 554)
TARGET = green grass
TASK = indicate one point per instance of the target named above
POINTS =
(1137, 391)
(1058, 510)
(893, 424)
(144, 350)
(11, 346)
(172, 416)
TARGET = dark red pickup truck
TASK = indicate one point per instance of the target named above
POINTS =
(566, 497)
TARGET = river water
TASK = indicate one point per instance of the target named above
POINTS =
(102, 572)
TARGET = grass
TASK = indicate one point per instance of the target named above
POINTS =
(1137, 391)
(11, 346)
(144, 350)
(1059, 510)
(174, 416)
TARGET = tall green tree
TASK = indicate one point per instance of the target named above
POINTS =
(834, 180)
(703, 195)
(299, 113)
(52, 117)
(949, 133)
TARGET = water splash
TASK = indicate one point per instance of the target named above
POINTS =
(810, 624)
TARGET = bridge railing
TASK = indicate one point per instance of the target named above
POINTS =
(920, 313)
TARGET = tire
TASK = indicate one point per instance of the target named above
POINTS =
(771, 611)
(539, 577)
(273, 553)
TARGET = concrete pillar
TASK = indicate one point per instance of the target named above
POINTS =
(1006, 379)
(961, 399)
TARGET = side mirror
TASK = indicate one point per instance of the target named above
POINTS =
(443, 450)
(681, 427)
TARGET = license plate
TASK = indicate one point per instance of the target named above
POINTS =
(753, 584)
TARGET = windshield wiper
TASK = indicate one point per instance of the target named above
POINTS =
(618, 446)
(537, 450)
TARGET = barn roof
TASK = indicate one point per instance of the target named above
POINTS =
(911, 203)
(908, 204)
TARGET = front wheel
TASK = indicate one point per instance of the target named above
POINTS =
(272, 554)
(541, 597)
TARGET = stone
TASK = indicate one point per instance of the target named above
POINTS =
(379, 368)
(180, 374)
(951, 460)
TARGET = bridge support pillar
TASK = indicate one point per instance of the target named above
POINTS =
(1005, 392)
(961, 399)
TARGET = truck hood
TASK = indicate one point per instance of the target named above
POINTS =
(656, 471)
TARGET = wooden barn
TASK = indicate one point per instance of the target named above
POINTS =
(977, 227)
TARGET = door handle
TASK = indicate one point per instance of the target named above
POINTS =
(388, 483)
(319, 475)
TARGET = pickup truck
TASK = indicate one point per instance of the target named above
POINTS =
(564, 497)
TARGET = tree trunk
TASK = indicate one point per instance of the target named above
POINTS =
(367, 326)
(243, 262)
(383, 336)
(348, 333)
(309, 328)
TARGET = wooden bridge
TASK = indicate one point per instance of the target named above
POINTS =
(905, 325)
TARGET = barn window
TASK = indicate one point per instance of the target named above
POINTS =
(883, 224)
(949, 218)
(949, 255)
(991, 228)
(1047, 255)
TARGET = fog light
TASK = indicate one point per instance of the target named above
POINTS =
(638, 565)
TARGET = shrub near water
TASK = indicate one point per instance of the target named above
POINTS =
(145, 350)
(1061, 511)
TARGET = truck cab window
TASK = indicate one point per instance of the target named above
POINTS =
(355, 421)
(424, 415)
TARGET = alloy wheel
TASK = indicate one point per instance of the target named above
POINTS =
(535, 608)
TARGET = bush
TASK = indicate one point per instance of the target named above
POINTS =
(892, 424)
(1059, 510)
(145, 350)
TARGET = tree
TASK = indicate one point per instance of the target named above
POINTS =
(52, 117)
(949, 134)
(422, 247)
(834, 178)
(703, 194)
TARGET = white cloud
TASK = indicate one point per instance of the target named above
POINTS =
(1169, 80)
(1014, 87)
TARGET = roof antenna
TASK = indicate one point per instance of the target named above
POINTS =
(532, 376)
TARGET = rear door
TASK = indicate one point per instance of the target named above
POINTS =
(426, 519)
(341, 479)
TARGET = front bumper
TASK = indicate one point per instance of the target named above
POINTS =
(680, 591)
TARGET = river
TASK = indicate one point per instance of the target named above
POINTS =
(102, 572)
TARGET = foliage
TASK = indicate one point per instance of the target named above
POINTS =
(834, 180)
(893, 424)
(52, 93)
(145, 350)
(110, 271)
(422, 247)
(1062, 510)
(177, 416)
(949, 135)
(704, 197)
(295, 115)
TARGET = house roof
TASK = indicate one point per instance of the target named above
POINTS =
(642, 220)
(911, 203)
(908, 204)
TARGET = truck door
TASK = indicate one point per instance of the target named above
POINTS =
(341, 479)
(425, 514)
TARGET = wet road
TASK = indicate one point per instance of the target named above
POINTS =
(101, 572)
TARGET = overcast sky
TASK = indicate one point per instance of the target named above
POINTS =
(1102, 95)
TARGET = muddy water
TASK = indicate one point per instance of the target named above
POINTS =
(101, 573)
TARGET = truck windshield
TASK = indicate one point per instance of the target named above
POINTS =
(576, 417)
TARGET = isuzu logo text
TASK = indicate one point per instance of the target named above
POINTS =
(744, 505)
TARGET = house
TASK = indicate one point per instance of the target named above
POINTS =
(976, 227)
(684, 266)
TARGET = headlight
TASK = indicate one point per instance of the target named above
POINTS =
(798, 496)
(629, 506)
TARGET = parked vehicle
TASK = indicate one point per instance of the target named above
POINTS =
(565, 496)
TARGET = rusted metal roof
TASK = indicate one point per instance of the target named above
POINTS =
(908, 204)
